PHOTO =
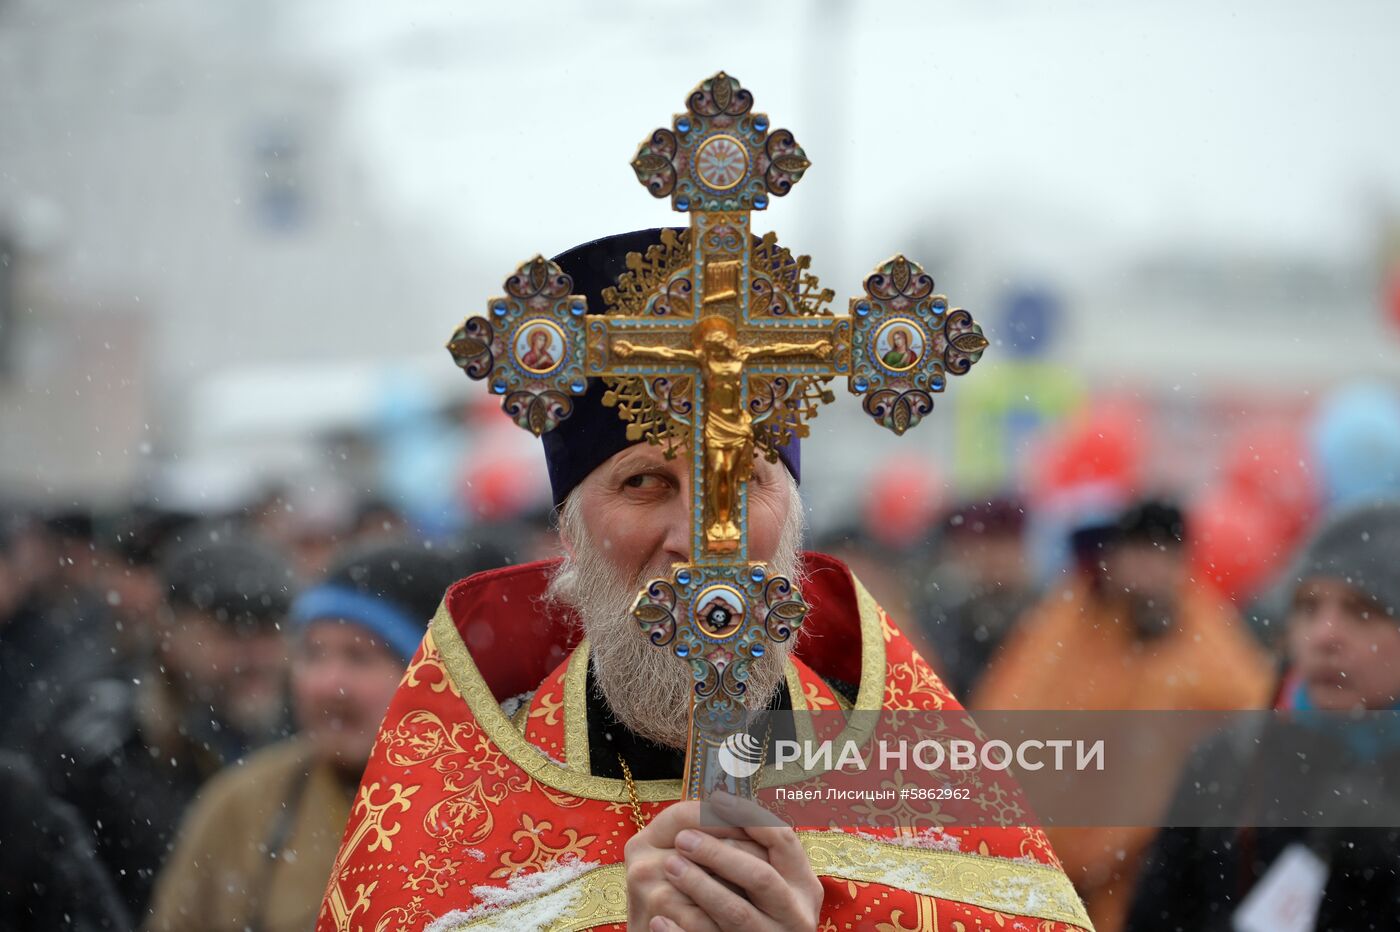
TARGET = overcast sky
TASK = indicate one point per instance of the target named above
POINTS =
(1259, 126)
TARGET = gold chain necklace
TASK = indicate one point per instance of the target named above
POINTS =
(640, 819)
(632, 795)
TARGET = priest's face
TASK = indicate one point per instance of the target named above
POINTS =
(627, 523)
(636, 507)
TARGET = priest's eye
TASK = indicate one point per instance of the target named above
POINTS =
(646, 481)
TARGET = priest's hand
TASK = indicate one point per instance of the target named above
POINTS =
(682, 875)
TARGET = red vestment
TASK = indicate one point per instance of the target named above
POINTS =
(469, 819)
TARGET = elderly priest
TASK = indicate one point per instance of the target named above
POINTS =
(536, 769)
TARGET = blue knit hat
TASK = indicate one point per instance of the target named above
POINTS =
(390, 590)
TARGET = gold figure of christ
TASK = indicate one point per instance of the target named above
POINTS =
(728, 427)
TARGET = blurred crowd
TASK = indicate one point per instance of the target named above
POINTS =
(1275, 586)
(189, 700)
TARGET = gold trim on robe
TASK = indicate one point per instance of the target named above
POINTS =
(576, 780)
(470, 683)
(998, 884)
(576, 752)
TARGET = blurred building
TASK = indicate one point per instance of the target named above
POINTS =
(239, 233)
(184, 209)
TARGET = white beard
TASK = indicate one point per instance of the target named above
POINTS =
(648, 689)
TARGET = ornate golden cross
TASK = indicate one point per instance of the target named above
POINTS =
(719, 342)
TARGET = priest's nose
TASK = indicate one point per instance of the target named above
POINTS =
(676, 539)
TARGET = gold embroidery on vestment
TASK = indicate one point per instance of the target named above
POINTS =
(997, 884)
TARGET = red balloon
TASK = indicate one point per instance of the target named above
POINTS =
(1103, 447)
(504, 476)
(1237, 543)
(903, 500)
(500, 488)
(1269, 465)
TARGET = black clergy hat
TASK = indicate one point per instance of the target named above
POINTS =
(594, 433)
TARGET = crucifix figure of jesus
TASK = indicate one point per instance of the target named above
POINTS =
(728, 425)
